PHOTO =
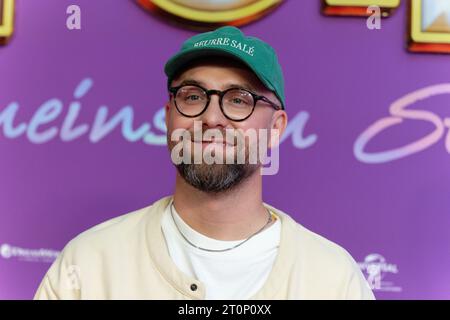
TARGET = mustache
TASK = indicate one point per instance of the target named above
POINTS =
(225, 136)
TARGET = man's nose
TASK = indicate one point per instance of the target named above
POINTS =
(213, 116)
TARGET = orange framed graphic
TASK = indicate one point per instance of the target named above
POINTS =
(429, 26)
(357, 7)
(211, 13)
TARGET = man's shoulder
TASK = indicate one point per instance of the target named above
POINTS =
(120, 229)
(117, 224)
(320, 246)
(314, 249)
(325, 269)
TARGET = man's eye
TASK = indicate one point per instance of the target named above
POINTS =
(238, 101)
(192, 97)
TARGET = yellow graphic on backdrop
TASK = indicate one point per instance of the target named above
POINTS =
(429, 21)
(430, 26)
(357, 7)
(6, 20)
(212, 12)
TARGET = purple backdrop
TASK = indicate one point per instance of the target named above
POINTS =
(383, 194)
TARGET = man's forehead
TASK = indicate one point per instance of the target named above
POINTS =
(226, 74)
(223, 85)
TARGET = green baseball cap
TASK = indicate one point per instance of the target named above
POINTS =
(229, 41)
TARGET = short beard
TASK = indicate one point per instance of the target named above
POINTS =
(215, 178)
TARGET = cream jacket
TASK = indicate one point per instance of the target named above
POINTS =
(127, 258)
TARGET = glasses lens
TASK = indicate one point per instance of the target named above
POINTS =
(191, 100)
(237, 104)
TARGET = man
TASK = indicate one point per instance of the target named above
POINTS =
(215, 238)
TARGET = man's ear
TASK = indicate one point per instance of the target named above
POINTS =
(166, 118)
(278, 126)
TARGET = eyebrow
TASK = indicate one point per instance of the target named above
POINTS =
(244, 86)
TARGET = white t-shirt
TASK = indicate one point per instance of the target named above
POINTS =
(235, 274)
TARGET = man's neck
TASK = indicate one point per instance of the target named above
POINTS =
(232, 215)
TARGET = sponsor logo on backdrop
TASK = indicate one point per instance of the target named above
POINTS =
(210, 13)
(377, 271)
(8, 252)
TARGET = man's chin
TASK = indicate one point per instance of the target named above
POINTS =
(215, 178)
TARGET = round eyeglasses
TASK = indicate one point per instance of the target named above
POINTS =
(237, 104)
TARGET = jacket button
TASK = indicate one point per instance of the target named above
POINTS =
(193, 287)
